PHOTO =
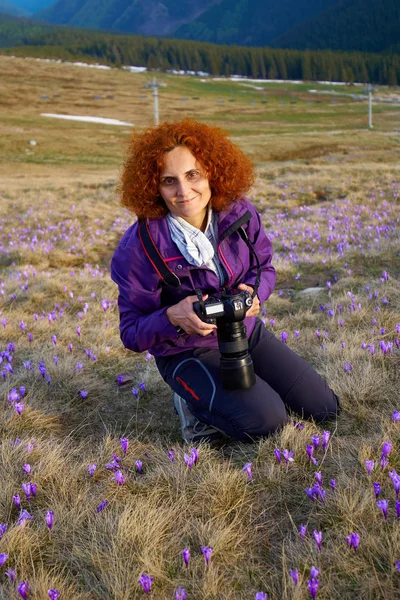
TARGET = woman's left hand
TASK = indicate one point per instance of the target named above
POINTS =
(255, 309)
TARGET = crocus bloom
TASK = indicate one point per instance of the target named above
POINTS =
(92, 468)
(383, 505)
(146, 582)
(28, 490)
(27, 468)
(397, 563)
(277, 453)
(396, 416)
(377, 488)
(314, 572)
(294, 575)
(142, 386)
(288, 456)
(247, 468)
(3, 558)
(17, 501)
(19, 407)
(195, 455)
(325, 439)
(318, 538)
(11, 574)
(180, 594)
(188, 460)
(3, 529)
(135, 392)
(318, 477)
(369, 465)
(24, 516)
(353, 540)
(332, 483)
(398, 509)
(310, 450)
(315, 441)
(124, 444)
(396, 481)
(303, 531)
(347, 367)
(207, 551)
(171, 455)
(23, 590)
(261, 596)
(102, 506)
(49, 518)
(284, 337)
(186, 556)
(313, 587)
(119, 477)
(53, 594)
(139, 466)
(83, 394)
(386, 449)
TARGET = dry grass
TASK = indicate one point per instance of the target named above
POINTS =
(60, 224)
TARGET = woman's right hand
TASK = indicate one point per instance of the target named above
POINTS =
(183, 315)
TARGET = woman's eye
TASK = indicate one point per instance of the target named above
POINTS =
(168, 181)
(193, 175)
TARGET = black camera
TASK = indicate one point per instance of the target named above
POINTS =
(227, 310)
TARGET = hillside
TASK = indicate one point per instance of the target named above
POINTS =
(12, 9)
(365, 25)
(147, 17)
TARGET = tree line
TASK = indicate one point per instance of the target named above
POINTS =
(173, 54)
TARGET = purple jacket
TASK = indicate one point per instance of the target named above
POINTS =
(143, 300)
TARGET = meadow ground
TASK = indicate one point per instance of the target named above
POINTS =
(328, 190)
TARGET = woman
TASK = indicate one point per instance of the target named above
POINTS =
(186, 182)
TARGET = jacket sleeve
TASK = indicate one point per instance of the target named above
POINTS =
(263, 248)
(143, 321)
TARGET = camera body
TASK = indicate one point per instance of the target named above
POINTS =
(227, 310)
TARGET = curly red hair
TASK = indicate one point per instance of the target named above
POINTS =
(230, 172)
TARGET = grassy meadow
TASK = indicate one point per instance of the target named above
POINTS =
(328, 189)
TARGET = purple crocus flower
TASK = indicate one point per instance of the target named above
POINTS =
(11, 574)
(135, 392)
(92, 468)
(180, 594)
(19, 407)
(383, 505)
(3, 529)
(78, 331)
(146, 582)
(284, 337)
(142, 386)
(17, 501)
(332, 483)
(188, 458)
(119, 477)
(28, 491)
(53, 594)
(347, 367)
(24, 516)
(398, 509)
(294, 574)
(124, 444)
(386, 449)
(303, 531)
(83, 394)
(318, 538)
(195, 455)
(318, 477)
(247, 468)
(396, 416)
(171, 455)
(310, 451)
(3, 558)
(261, 596)
(288, 456)
(325, 439)
(353, 539)
(314, 572)
(139, 466)
(277, 453)
(312, 585)
(114, 463)
(397, 565)
(272, 322)
(315, 441)
(23, 589)
(207, 551)
(396, 481)
(49, 518)
(27, 468)
(369, 465)
(186, 556)
(377, 488)
(102, 506)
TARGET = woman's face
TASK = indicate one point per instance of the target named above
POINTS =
(184, 187)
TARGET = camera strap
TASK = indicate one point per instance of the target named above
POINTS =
(155, 257)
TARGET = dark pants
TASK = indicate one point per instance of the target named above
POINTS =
(283, 381)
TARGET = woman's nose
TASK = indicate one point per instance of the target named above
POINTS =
(182, 187)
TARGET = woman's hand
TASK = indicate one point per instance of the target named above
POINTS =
(255, 309)
(183, 315)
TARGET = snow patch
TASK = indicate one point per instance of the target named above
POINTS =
(103, 120)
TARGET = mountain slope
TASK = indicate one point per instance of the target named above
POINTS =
(12, 9)
(250, 22)
(148, 17)
(32, 6)
(364, 25)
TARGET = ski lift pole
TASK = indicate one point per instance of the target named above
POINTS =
(155, 98)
